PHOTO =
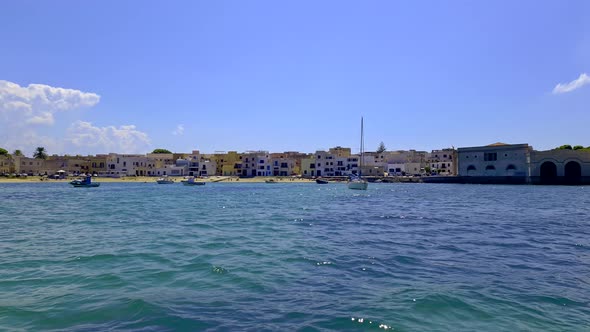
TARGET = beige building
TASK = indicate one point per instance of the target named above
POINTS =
(6, 164)
(339, 151)
(227, 164)
(290, 156)
(30, 166)
(443, 161)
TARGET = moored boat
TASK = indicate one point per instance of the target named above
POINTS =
(86, 183)
(358, 184)
(321, 181)
(164, 180)
(192, 182)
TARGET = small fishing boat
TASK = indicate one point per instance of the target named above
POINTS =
(164, 180)
(321, 181)
(270, 181)
(86, 183)
(192, 182)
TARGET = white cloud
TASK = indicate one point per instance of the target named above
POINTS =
(573, 85)
(37, 103)
(179, 131)
(122, 139)
(28, 120)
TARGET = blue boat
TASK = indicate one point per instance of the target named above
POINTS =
(86, 182)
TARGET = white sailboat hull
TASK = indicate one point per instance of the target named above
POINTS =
(358, 185)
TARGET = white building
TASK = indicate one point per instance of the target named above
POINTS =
(126, 165)
(256, 164)
(328, 164)
(282, 166)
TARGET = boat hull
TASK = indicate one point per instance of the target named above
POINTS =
(76, 185)
(186, 183)
(358, 185)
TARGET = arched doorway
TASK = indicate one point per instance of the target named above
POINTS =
(573, 173)
(548, 173)
(490, 170)
(471, 170)
(510, 170)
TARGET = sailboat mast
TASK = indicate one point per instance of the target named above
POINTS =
(362, 148)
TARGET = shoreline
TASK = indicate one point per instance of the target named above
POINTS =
(149, 179)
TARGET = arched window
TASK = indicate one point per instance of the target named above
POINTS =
(490, 168)
(511, 167)
(471, 168)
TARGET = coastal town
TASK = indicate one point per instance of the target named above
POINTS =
(494, 163)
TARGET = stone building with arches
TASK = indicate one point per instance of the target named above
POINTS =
(519, 163)
(568, 167)
(495, 163)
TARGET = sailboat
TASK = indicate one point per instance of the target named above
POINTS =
(358, 182)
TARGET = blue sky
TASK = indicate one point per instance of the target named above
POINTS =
(82, 77)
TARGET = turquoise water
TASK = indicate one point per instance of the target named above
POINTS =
(267, 257)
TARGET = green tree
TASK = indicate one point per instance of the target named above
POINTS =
(161, 151)
(381, 148)
(17, 153)
(3, 152)
(40, 153)
(578, 147)
(565, 147)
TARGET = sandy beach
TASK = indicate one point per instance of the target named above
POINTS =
(148, 179)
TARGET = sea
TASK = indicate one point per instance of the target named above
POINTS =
(294, 257)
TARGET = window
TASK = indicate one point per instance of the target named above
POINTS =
(471, 168)
(510, 167)
(490, 156)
